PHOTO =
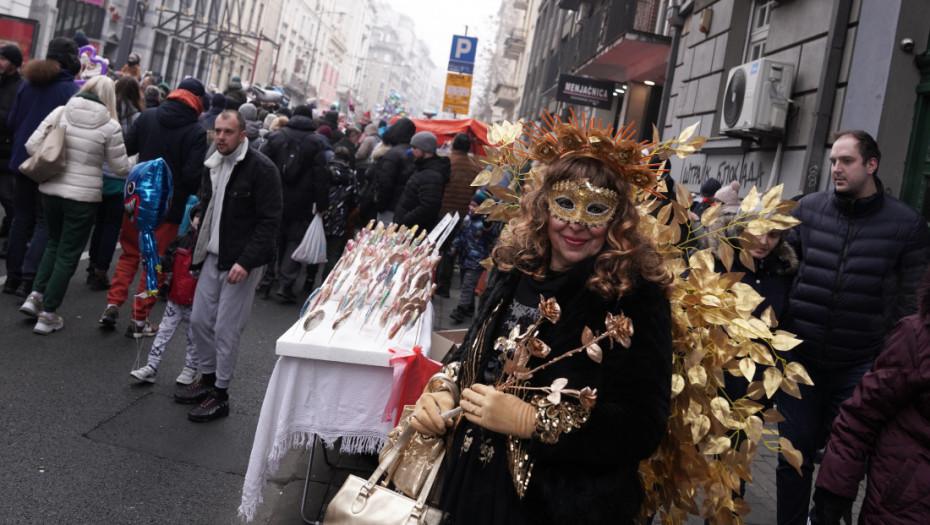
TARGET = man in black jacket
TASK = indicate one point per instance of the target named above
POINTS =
(10, 79)
(170, 131)
(242, 198)
(422, 197)
(389, 173)
(862, 253)
(300, 156)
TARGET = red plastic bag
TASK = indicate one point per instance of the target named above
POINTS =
(412, 370)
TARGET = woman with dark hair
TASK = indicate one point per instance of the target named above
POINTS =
(518, 456)
(129, 106)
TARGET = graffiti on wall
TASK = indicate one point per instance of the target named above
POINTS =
(750, 169)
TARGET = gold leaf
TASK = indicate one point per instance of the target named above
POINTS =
(710, 215)
(771, 378)
(786, 206)
(698, 375)
(664, 215)
(768, 317)
(790, 387)
(498, 176)
(594, 352)
(587, 336)
(748, 367)
(487, 264)
(749, 242)
(487, 206)
(697, 142)
(493, 154)
(754, 428)
(791, 454)
(755, 390)
(721, 409)
(683, 196)
(503, 213)
(503, 193)
(773, 416)
(655, 134)
(678, 384)
(750, 201)
(725, 251)
(761, 354)
(717, 445)
(784, 341)
(771, 198)
(483, 177)
(687, 132)
(783, 221)
(746, 258)
(796, 372)
(761, 226)
(711, 300)
(700, 425)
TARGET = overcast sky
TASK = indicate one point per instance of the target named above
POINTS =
(437, 20)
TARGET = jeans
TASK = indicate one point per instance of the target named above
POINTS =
(807, 424)
(107, 226)
(28, 232)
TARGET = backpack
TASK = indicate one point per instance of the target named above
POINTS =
(289, 158)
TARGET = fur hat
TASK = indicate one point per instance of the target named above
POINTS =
(65, 52)
(12, 53)
(424, 141)
(728, 196)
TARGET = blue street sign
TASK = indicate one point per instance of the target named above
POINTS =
(464, 48)
(464, 68)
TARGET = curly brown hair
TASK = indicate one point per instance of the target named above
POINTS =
(627, 252)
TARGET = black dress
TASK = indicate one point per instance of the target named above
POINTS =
(591, 474)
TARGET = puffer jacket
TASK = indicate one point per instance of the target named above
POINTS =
(390, 171)
(47, 86)
(91, 137)
(860, 263)
(885, 425)
(463, 170)
(422, 196)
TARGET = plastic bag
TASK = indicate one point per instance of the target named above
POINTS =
(312, 249)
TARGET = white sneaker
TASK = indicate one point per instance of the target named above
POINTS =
(47, 323)
(188, 376)
(32, 306)
(145, 374)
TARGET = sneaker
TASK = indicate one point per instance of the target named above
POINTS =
(137, 332)
(188, 375)
(211, 408)
(32, 306)
(145, 374)
(48, 322)
(193, 393)
(109, 317)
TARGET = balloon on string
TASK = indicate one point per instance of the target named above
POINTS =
(91, 65)
(146, 199)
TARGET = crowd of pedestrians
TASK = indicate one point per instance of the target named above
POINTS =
(845, 280)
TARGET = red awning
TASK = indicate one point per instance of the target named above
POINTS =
(445, 131)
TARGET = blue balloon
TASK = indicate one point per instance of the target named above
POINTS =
(146, 198)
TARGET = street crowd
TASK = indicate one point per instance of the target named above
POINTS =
(250, 177)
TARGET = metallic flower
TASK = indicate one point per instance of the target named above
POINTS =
(550, 309)
(555, 390)
(570, 137)
(620, 328)
(588, 397)
(546, 150)
(504, 133)
(537, 348)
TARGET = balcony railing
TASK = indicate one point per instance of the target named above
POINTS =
(515, 45)
(507, 96)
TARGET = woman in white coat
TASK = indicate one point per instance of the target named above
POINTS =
(70, 198)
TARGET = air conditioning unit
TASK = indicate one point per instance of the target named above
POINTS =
(756, 99)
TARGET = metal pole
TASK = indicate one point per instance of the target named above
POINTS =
(274, 72)
(127, 36)
(676, 22)
(258, 48)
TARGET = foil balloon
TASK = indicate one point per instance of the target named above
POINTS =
(146, 198)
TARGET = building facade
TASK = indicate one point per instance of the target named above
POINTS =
(857, 64)
(511, 57)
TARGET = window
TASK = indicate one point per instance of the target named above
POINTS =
(759, 31)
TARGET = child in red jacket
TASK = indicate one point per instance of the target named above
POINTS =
(177, 260)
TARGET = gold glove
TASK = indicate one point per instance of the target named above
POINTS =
(499, 412)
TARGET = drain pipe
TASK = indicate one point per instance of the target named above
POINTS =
(676, 21)
(823, 105)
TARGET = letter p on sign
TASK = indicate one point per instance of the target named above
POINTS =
(464, 48)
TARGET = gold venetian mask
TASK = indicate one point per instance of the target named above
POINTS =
(580, 202)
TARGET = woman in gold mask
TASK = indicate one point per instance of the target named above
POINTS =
(561, 443)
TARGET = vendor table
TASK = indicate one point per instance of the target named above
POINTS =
(326, 387)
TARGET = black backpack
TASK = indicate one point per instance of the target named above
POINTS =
(289, 158)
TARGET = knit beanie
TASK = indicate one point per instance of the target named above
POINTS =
(13, 54)
(478, 198)
(710, 186)
(65, 52)
(303, 111)
(248, 111)
(80, 38)
(218, 101)
(424, 141)
(269, 119)
(193, 85)
(326, 131)
(728, 196)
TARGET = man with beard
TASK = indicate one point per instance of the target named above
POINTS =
(422, 197)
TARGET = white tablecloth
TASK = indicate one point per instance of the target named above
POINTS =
(309, 397)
